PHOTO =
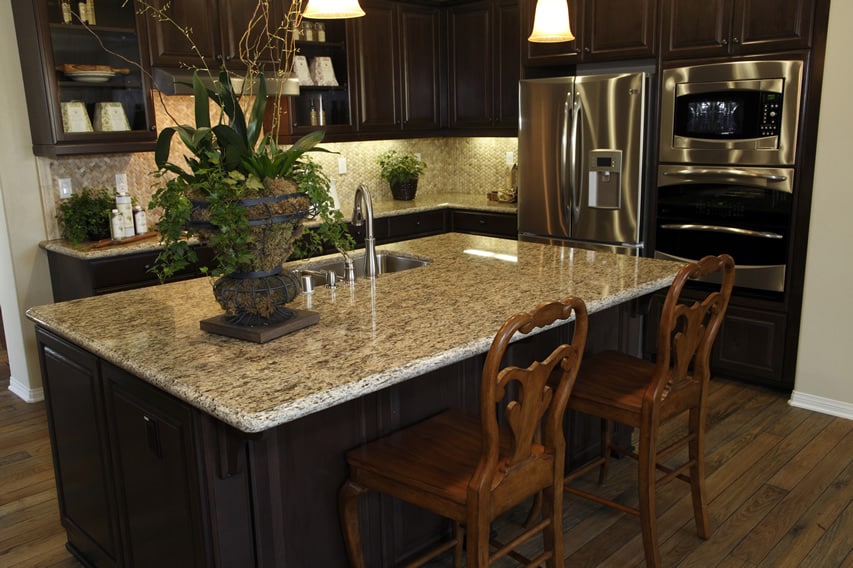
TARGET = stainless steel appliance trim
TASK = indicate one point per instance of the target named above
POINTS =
(770, 277)
(779, 179)
(719, 229)
(726, 172)
(763, 151)
(567, 166)
(577, 111)
(772, 85)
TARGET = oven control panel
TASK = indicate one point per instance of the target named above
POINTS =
(771, 114)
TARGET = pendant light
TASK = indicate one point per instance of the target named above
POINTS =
(551, 22)
(332, 9)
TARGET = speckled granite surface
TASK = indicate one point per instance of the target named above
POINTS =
(381, 208)
(369, 336)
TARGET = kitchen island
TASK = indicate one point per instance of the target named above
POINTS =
(174, 446)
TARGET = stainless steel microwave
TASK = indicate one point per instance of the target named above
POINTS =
(739, 112)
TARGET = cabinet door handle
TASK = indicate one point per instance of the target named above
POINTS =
(735, 41)
(152, 431)
(724, 42)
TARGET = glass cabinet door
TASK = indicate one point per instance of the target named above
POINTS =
(88, 89)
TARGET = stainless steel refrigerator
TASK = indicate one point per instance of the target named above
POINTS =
(581, 144)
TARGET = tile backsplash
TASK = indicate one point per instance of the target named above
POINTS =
(460, 165)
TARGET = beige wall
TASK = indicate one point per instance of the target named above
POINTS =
(826, 333)
(24, 277)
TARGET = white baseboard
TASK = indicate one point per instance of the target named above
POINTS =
(821, 404)
(25, 393)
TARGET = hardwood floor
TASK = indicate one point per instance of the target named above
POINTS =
(779, 482)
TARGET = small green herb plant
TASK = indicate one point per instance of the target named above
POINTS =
(399, 167)
(85, 216)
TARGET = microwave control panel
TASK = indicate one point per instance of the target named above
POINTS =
(771, 114)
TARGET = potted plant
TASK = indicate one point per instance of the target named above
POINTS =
(85, 216)
(244, 196)
(402, 171)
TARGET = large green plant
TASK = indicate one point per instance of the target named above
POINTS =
(228, 162)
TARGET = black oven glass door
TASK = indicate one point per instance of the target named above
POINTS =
(745, 213)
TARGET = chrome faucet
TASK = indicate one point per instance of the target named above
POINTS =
(363, 211)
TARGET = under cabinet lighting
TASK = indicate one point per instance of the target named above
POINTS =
(551, 22)
(332, 9)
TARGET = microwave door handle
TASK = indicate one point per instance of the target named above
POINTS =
(719, 229)
(726, 172)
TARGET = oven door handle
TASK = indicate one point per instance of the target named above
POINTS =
(719, 229)
(729, 172)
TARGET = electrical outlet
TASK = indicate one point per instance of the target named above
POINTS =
(65, 190)
(418, 155)
(510, 158)
(342, 165)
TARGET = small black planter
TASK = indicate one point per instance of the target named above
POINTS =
(404, 190)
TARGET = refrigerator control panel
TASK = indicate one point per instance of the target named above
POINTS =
(605, 179)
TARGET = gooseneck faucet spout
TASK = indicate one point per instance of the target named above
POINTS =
(362, 212)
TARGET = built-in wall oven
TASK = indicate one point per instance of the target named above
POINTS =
(726, 177)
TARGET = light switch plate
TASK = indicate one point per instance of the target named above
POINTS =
(342, 165)
(418, 155)
(510, 158)
(65, 189)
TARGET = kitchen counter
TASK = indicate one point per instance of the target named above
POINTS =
(212, 451)
(381, 208)
(370, 336)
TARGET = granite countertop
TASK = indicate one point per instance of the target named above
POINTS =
(371, 335)
(381, 208)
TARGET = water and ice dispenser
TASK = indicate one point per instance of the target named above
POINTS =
(605, 179)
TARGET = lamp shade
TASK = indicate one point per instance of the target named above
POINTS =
(332, 9)
(551, 22)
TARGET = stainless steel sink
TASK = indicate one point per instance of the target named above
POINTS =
(386, 263)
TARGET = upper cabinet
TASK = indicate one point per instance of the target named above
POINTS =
(396, 53)
(719, 28)
(605, 30)
(87, 87)
(216, 28)
(484, 65)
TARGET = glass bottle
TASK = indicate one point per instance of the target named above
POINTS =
(140, 222)
(314, 118)
(320, 31)
(116, 225)
(307, 31)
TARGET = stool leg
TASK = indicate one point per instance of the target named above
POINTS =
(477, 529)
(459, 549)
(552, 536)
(348, 497)
(697, 473)
(606, 442)
(647, 476)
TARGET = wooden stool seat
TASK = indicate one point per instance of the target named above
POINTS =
(470, 469)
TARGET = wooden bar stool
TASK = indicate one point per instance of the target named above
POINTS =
(621, 388)
(471, 469)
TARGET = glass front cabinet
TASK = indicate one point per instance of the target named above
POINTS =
(87, 88)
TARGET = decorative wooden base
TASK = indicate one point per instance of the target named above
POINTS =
(260, 333)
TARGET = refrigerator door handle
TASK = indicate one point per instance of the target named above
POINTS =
(574, 197)
(565, 172)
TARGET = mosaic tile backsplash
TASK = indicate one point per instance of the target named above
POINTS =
(459, 165)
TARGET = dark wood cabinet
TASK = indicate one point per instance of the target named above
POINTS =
(711, 28)
(605, 30)
(156, 469)
(216, 28)
(484, 65)
(80, 112)
(750, 345)
(396, 51)
(79, 441)
(74, 277)
(482, 223)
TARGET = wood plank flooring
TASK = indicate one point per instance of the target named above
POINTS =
(779, 481)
